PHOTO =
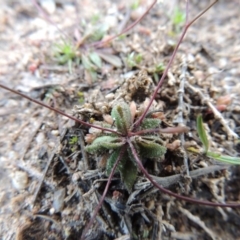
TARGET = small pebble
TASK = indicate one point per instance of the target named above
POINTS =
(48, 5)
(55, 132)
(58, 199)
(20, 180)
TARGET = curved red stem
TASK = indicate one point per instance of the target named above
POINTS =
(59, 111)
(139, 121)
(101, 43)
(188, 199)
(123, 149)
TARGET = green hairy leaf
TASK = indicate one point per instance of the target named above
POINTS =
(122, 115)
(128, 174)
(113, 158)
(105, 142)
(126, 168)
(150, 146)
(202, 133)
(150, 123)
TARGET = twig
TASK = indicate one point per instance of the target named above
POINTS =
(33, 133)
(180, 112)
(125, 20)
(216, 187)
(217, 114)
(62, 159)
(168, 181)
(32, 171)
(104, 194)
(84, 155)
(58, 225)
(164, 190)
(43, 176)
(106, 211)
(198, 221)
(16, 135)
(46, 169)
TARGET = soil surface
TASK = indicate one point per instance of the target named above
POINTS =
(49, 184)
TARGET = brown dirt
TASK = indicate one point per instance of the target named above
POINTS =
(35, 140)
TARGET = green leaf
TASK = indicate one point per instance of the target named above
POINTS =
(150, 123)
(122, 116)
(133, 60)
(73, 140)
(105, 142)
(159, 68)
(64, 52)
(86, 63)
(224, 158)
(110, 58)
(150, 146)
(135, 4)
(113, 158)
(202, 133)
(178, 16)
(96, 59)
(128, 174)
(126, 168)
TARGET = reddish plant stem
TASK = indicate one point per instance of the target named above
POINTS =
(101, 43)
(35, 3)
(59, 111)
(164, 190)
(123, 149)
(139, 121)
(173, 130)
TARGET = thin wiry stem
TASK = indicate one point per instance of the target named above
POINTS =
(164, 190)
(59, 111)
(123, 149)
(173, 130)
(180, 111)
(35, 3)
(102, 43)
(139, 121)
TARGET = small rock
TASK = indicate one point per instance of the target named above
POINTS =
(58, 199)
(20, 180)
(48, 5)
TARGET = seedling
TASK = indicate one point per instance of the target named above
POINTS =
(135, 4)
(148, 144)
(95, 18)
(65, 53)
(204, 139)
(73, 140)
(80, 97)
(159, 69)
(178, 18)
(131, 138)
(83, 51)
(133, 59)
